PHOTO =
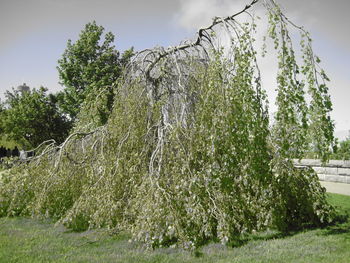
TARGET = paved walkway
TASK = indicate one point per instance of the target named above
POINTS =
(337, 188)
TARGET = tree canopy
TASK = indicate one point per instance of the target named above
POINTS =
(92, 62)
(29, 118)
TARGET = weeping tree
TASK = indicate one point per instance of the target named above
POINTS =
(188, 153)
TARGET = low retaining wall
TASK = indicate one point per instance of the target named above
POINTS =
(333, 171)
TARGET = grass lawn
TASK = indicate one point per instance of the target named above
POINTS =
(29, 240)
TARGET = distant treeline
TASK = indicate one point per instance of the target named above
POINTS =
(5, 152)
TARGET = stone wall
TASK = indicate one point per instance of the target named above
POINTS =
(333, 171)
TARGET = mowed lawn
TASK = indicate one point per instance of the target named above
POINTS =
(29, 240)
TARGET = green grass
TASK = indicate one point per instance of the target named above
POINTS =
(29, 240)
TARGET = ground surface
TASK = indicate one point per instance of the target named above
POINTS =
(337, 188)
(28, 240)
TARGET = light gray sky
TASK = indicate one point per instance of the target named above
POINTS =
(34, 34)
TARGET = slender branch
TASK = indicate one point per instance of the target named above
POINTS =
(198, 41)
(63, 145)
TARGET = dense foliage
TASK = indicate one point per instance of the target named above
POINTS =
(29, 118)
(187, 154)
(89, 63)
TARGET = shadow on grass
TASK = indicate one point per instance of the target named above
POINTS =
(338, 230)
(264, 236)
(341, 225)
(73, 231)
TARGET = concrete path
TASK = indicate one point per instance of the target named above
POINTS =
(337, 188)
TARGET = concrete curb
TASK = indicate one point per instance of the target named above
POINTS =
(336, 171)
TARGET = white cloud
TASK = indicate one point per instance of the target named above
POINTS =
(194, 14)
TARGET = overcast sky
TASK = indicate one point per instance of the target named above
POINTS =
(34, 34)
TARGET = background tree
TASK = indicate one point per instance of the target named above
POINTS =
(89, 63)
(2, 110)
(33, 117)
(342, 151)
